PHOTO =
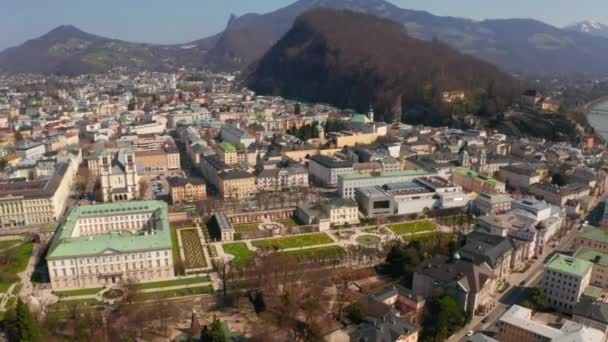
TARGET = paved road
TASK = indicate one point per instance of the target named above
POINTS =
(517, 291)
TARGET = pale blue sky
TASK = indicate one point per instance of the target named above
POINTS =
(178, 21)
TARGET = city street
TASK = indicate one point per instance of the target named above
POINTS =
(519, 285)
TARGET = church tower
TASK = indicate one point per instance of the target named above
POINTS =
(370, 115)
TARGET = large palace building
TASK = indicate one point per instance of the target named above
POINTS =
(105, 244)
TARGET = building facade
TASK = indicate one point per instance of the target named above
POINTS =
(118, 176)
(107, 244)
(564, 280)
(187, 190)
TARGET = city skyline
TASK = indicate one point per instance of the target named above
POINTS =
(164, 23)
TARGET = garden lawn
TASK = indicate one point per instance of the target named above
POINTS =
(246, 227)
(64, 305)
(176, 282)
(428, 236)
(329, 252)
(177, 293)
(7, 243)
(289, 222)
(80, 292)
(412, 227)
(176, 257)
(20, 256)
(242, 254)
(193, 249)
(294, 241)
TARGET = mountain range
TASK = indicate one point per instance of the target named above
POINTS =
(591, 27)
(352, 60)
(69, 51)
(520, 46)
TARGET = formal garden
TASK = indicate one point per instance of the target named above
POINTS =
(294, 241)
(412, 227)
(193, 249)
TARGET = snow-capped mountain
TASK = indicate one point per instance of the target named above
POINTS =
(590, 27)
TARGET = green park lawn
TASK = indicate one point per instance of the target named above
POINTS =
(412, 227)
(7, 243)
(329, 252)
(176, 257)
(177, 293)
(242, 254)
(294, 241)
(176, 282)
(79, 292)
(12, 262)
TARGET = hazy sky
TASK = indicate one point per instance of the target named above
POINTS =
(178, 21)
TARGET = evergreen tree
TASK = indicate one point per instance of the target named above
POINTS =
(23, 326)
(213, 332)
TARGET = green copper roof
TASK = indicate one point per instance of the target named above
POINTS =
(405, 173)
(66, 245)
(227, 147)
(569, 265)
(470, 173)
(593, 233)
(593, 256)
(360, 118)
(593, 291)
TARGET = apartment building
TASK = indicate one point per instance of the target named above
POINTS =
(326, 170)
(564, 280)
(187, 189)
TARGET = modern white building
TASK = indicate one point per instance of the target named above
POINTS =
(348, 183)
(147, 128)
(106, 244)
(518, 324)
(326, 170)
(30, 150)
(564, 280)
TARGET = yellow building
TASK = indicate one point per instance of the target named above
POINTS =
(236, 184)
(350, 139)
(158, 160)
(187, 190)
(228, 153)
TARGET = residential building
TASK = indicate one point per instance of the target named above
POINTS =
(593, 238)
(106, 244)
(564, 280)
(521, 176)
(491, 203)
(599, 272)
(471, 286)
(282, 178)
(337, 212)
(37, 201)
(559, 195)
(147, 127)
(227, 153)
(474, 182)
(592, 313)
(158, 161)
(234, 135)
(187, 189)
(495, 251)
(519, 324)
(28, 149)
(236, 184)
